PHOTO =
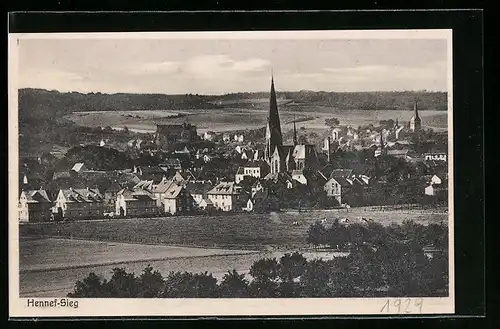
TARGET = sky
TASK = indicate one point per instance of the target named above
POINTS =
(200, 66)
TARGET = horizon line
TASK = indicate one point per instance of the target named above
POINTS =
(232, 93)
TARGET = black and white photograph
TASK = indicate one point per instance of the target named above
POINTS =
(194, 173)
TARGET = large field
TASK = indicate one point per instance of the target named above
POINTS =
(239, 231)
(238, 119)
(53, 256)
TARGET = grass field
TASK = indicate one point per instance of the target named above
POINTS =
(235, 231)
(239, 119)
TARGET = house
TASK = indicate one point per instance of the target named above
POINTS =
(110, 195)
(154, 173)
(256, 187)
(435, 157)
(225, 196)
(79, 203)
(209, 136)
(255, 201)
(246, 155)
(239, 176)
(172, 197)
(226, 138)
(78, 167)
(147, 185)
(281, 178)
(135, 143)
(135, 203)
(238, 138)
(198, 192)
(184, 151)
(400, 154)
(341, 184)
(207, 158)
(34, 206)
(206, 204)
(183, 176)
(171, 163)
(439, 191)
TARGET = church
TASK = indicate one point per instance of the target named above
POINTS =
(284, 158)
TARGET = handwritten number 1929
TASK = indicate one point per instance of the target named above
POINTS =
(408, 305)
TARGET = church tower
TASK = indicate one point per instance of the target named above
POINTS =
(415, 121)
(295, 142)
(273, 130)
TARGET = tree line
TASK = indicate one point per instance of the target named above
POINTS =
(385, 263)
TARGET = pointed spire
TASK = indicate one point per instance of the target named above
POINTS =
(381, 139)
(274, 126)
(415, 109)
(397, 124)
(294, 132)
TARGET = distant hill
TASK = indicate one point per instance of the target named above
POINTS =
(39, 103)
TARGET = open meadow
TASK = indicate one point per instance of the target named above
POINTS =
(234, 231)
(53, 256)
(229, 119)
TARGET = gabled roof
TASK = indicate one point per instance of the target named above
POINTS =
(225, 188)
(163, 186)
(198, 188)
(135, 195)
(342, 181)
(78, 166)
(82, 195)
(173, 191)
(144, 184)
(36, 196)
(240, 171)
(343, 173)
(61, 175)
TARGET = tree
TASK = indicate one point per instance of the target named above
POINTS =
(233, 285)
(90, 287)
(337, 235)
(332, 122)
(188, 285)
(265, 274)
(316, 234)
(122, 284)
(291, 267)
(151, 283)
(315, 282)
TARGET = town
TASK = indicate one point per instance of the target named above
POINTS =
(177, 171)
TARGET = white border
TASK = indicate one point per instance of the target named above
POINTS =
(214, 307)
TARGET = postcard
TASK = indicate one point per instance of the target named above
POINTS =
(264, 173)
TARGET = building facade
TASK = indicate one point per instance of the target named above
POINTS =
(34, 206)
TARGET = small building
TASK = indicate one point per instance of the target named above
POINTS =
(83, 203)
(225, 196)
(135, 203)
(400, 154)
(209, 136)
(34, 206)
(172, 197)
(110, 195)
(78, 167)
(226, 138)
(435, 157)
(171, 163)
(439, 191)
(198, 191)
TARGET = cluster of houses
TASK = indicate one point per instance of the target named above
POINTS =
(169, 188)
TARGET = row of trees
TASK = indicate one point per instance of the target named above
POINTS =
(383, 261)
(354, 235)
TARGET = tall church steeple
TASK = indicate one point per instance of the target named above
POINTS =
(415, 121)
(295, 142)
(273, 135)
